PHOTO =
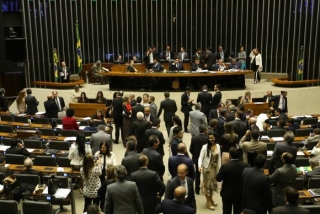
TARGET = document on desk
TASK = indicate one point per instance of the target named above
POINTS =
(3, 147)
(269, 153)
(264, 137)
(59, 126)
(82, 128)
(86, 118)
(70, 139)
(62, 193)
(30, 150)
(277, 138)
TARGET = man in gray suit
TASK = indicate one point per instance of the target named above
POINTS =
(99, 137)
(122, 196)
(197, 118)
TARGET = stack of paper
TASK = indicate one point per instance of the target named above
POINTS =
(86, 118)
(62, 193)
(277, 139)
(70, 139)
(264, 137)
(40, 112)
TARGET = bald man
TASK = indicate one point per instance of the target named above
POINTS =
(28, 164)
(51, 107)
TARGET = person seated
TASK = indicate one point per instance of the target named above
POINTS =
(246, 98)
(280, 124)
(234, 64)
(183, 55)
(83, 98)
(280, 114)
(100, 98)
(119, 59)
(69, 122)
(36, 136)
(292, 126)
(220, 66)
(97, 69)
(314, 173)
(4, 169)
(176, 65)
(91, 126)
(196, 66)
(316, 150)
(28, 164)
(156, 67)
(130, 67)
(314, 137)
(17, 148)
(99, 116)
(136, 60)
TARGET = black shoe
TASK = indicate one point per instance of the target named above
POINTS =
(116, 142)
(186, 131)
(197, 192)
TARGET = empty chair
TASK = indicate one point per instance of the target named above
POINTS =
(28, 179)
(6, 141)
(314, 183)
(44, 161)
(20, 119)
(270, 146)
(69, 133)
(303, 132)
(301, 162)
(6, 118)
(63, 162)
(63, 181)
(6, 129)
(38, 120)
(14, 159)
(310, 121)
(30, 207)
(33, 144)
(313, 209)
(9, 207)
(47, 132)
(59, 145)
(299, 183)
(276, 132)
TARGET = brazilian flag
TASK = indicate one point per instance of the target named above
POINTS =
(300, 65)
(55, 65)
(79, 55)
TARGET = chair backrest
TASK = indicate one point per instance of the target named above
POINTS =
(97, 123)
(313, 209)
(6, 141)
(30, 207)
(299, 183)
(6, 129)
(6, 118)
(303, 132)
(272, 122)
(314, 183)
(63, 181)
(28, 179)
(44, 161)
(59, 145)
(2, 176)
(271, 146)
(9, 207)
(38, 120)
(34, 144)
(310, 145)
(63, 162)
(310, 121)
(47, 132)
(301, 162)
(251, 155)
(88, 133)
(69, 133)
(84, 123)
(276, 132)
(20, 119)
(14, 159)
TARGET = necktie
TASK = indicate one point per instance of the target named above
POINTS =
(218, 113)
(58, 104)
(184, 184)
(283, 103)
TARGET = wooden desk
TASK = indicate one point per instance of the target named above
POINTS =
(305, 194)
(10, 135)
(257, 108)
(32, 125)
(46, 169)
(295, 139)
(87, 109)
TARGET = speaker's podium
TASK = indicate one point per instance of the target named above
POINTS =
(257, 107)
(74, 77)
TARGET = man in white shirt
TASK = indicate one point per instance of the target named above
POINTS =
(64, 72)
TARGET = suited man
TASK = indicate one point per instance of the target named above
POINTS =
(222, 54)
(177, 65)
(155, 159)
(239, 127)
(28, 164)
(175, 161)
(196, 119)
(231, 113)
(215, 113)
(281, 148)
(196, 66)
(267, 98)
(198, 55)
(209, 60)
(122, 196)
(205, 99)
(216, 99)
(117, 115)
(148, 116)
(154, 130)
(99, 137)
(156, 67)
(59, 101)
(31, 103)
(17, 148)
(256, 193)
(137, 108)
(291, 196)
(176, 205)
(149, 57)
(64, 72)
(283, 177)
(169, 107)
(195, 148)
(182, 180)
(168, 54)
(149, 185)
(186, 107)
(280, 101)
(220, 127)
(315, 173)
(230, 174)
(130, 162)
(138, 129)
(182, 55)
(3, 101)
(51, 107)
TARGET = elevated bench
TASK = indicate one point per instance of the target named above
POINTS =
(58, 84)
(287, 82)
(87, 109)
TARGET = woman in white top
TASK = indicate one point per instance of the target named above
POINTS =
(21, 103)
(105, 158)
(256, 64)
(209, 164)
(145, 101)
(78, 150)
(246, 98)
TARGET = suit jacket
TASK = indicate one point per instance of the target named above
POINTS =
(96, 140)
(196, 119)
(147, 59)
(210, 60)
(175, 161)
(230, 173)
(130, 162)
(5, 170)
(239, 127)
(216, 99)
(196, 145)
(220, 128)
(3, 103)
(288, 208)
(156, 132)
(213, 114)
(173, 207)
(185, 56)
(62, 74)
(33, 172)
(117, 108)
(256, 192)
(205, 98)
(264, 99)
(174, 67)
(225, 55)
(32, 104)
(149, 184)
(197, 56)
(254, 145)
(62, 104)
(155, 161)
(138, 129)
(169, 107)
(185, 105)
(123, 197)
(164, 53)
(279, 149)
(195, 67)
(135, 109)
(157, 67)
(231, 116)
(315, 173)
(276, 100)
(173, 183)
(51, 109)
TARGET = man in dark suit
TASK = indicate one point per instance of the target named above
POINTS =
(230, 173)
(150, 55)
(182, 55)
(216, 99)
(215, 113)
(205, 99)
(148, 116)
(137, 108)
(17, 148)
(156, 67)
(177, 65)
(256, 192)
(51, 107)
(267, 98)
(291, 196)
(196, 66)
(130, 162)
(59, 100)
(209, 60)
(186, 107)
(222, 54)
(169, 107)
(175, 161)
(4, 169)
(3, 101)
(221, 120)
(138, 129)
(149, 185)
(155, 159)
(176, 205)
(117, 115)
(168, 54)
(31, 103)
(154, 130)
(64, 72)
(239, 127)
(315, 173)
(281, 101)
(182, 180)
(231, 113)
(28, 164)
(195, 148)
(198, 55)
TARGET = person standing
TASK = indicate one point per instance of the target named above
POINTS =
(117, 116)
(216, 99)
(59, 100)
(256, 64)
(205, 99)
(130, 162)
(186, 107)
(64, 72)
(69, 122)
(100, 136)
(127, 119)
(50, 107)
(242, 57)
(21, 102)
(3, 101)
(154, 130)
(76, 94)
(138, 129)
(31, 103)
(197, 118)
(280, 101)
(228, 140)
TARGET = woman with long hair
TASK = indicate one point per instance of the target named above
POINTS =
(246, 98)
(108, 179)
(105, 158)
(256, 64)
(90, 173)
(209, 164)
(83, 98)
(21, 103)
(127, 120)
(100, 98)
(145, 98)
(228, 140)
(176, 122)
